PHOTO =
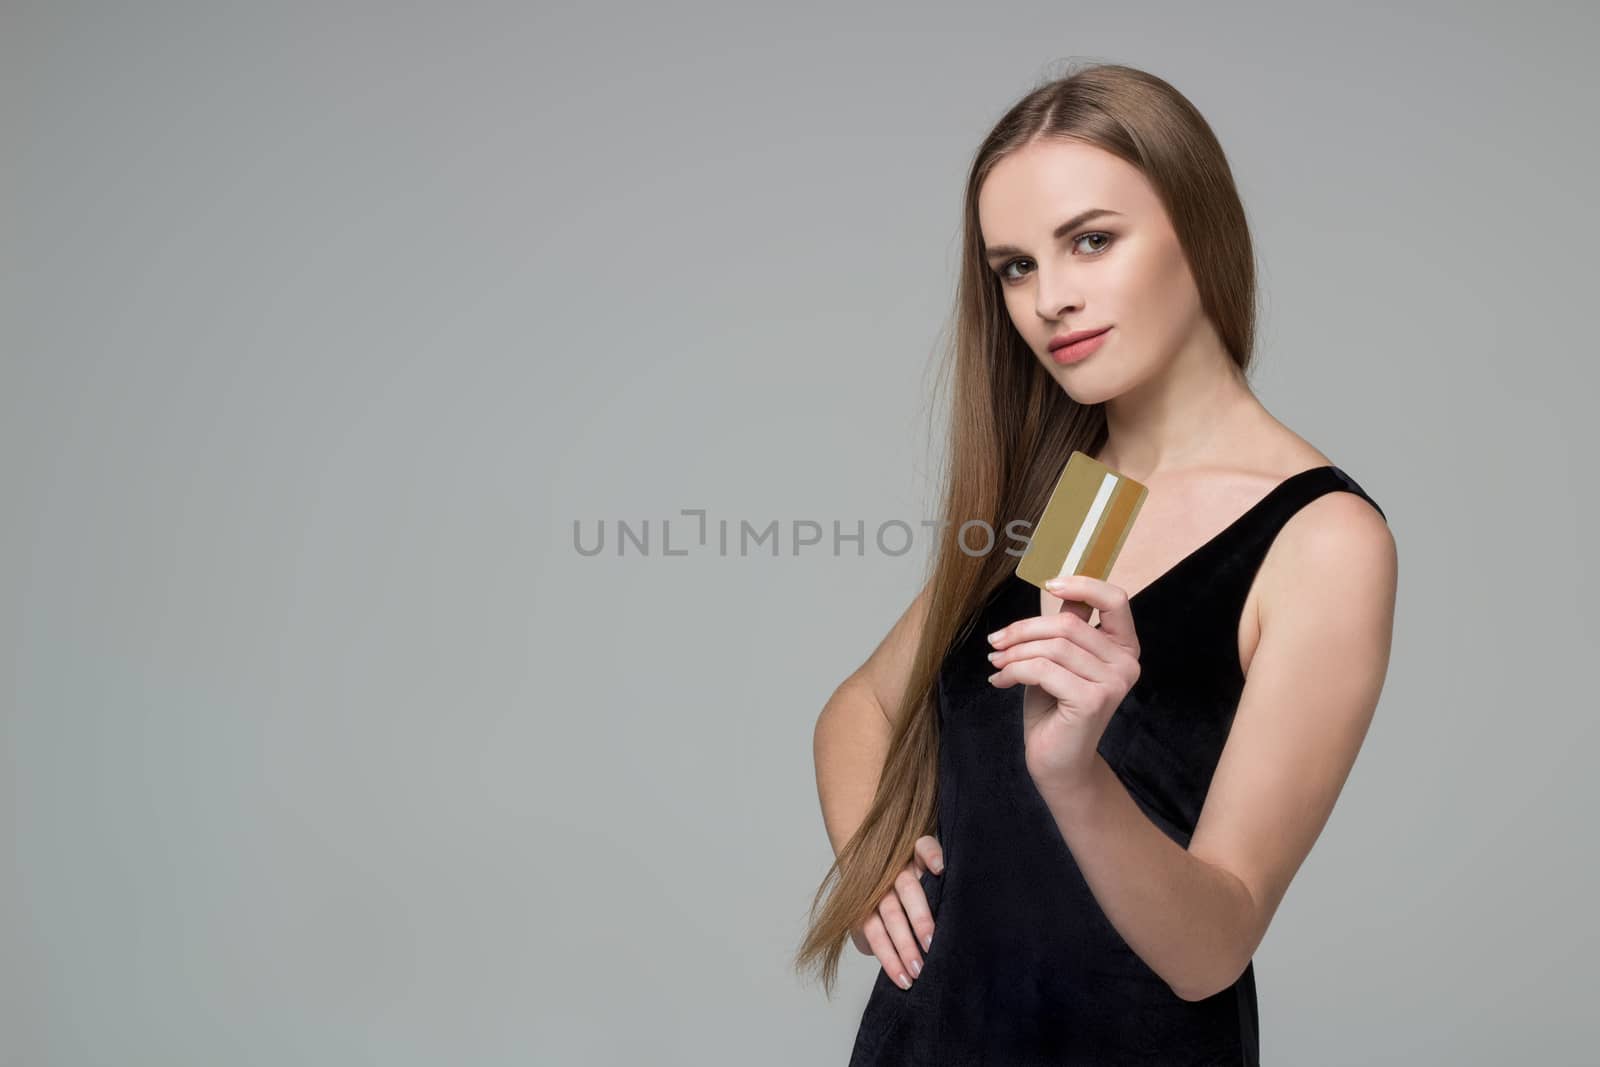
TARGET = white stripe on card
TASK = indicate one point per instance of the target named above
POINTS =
(1091, 523)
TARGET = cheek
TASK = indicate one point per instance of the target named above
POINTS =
(1142, 281)
(1156, 293)
(1019, 307)
(1174, 276)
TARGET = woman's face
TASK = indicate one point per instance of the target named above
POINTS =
(1079, 241)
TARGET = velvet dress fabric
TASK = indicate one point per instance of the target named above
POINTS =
(1025, 969)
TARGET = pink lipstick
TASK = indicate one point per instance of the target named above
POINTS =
(1080, 344)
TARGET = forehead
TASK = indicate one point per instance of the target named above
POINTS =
(1033, 189)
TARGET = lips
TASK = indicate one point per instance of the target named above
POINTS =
(1072, 351)
(1074, 337)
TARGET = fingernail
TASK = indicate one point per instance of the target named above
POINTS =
(1054, 583)
(938, 866)
(994, 656)
(927, 943)
(905, 983)
(916, 968)
(994, 637)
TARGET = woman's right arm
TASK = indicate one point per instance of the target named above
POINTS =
(850, 744)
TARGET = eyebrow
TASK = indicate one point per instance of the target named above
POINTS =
(999, 251)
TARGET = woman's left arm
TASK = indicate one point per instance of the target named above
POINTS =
(1326, 614)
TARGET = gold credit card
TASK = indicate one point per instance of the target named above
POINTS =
(1083, 526)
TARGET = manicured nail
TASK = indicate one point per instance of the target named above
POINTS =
(927, 943)
(905, 983)
(916, 968)
(994, 637)
(994, 656)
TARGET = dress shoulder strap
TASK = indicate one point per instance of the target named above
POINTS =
(1239, 557)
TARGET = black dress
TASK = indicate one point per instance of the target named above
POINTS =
(1025, 969)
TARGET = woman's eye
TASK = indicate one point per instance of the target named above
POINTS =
(1102, 247)
(1007, 266)
(1105, 242)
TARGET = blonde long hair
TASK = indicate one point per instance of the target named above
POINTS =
(1012, 428)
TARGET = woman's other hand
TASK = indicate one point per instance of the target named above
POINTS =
(902, 927)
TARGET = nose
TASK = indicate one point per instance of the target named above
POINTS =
(1056, 294)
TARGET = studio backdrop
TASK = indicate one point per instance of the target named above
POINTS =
(451, 453)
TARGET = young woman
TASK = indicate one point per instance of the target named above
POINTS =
(1100, 820)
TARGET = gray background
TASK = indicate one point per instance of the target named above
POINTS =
(321, 744)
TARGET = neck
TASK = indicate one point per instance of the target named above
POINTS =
(1180, 417)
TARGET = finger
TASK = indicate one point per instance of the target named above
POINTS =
(918, 914)
(1062, 684)
(888, 955)
(1065, 625)
(1114, 621)
(1065, 651)
(929, 851)
(1036, 626)
(1112, 600)
(899, 926)
(1076, 608)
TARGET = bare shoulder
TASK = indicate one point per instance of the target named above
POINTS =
(1338, 545)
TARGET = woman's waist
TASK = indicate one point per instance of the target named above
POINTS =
(1002, 898)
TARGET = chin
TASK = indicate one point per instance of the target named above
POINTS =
(1083, 388)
